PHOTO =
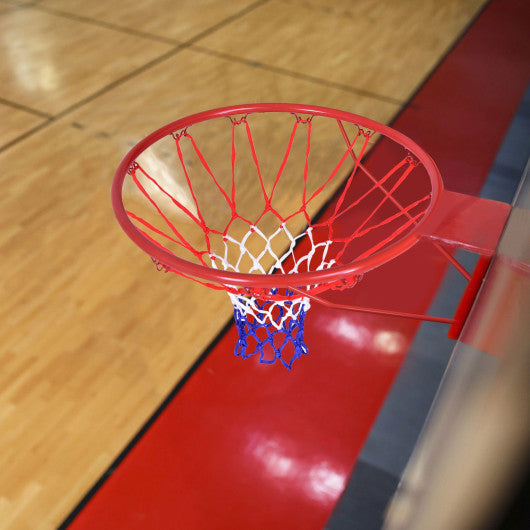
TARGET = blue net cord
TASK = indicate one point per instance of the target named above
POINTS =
(272, 330)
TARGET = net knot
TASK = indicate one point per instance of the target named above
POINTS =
(238, 121)
(300, 119)
(412, 160)
(367, 133)
(179, 134)
(133, 167)
(159, 265)
(258, 292)
(346, 283)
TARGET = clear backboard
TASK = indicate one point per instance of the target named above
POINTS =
(469, 465)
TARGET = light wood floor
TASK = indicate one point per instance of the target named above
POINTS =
(92, 338)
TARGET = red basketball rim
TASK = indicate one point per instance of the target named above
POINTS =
(332, 274)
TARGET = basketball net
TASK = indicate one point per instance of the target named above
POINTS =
(270, 314)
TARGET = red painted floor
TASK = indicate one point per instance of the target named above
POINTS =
(244, 445)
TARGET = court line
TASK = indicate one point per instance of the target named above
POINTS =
(25, 108)
(178, 46)
(145, 427)
(106, 25)
(148, 35)
(92, 97)
(298, 75)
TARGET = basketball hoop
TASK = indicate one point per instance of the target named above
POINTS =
(230, 198)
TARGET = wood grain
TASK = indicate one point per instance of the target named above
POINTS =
(93, 337)
(15, 121)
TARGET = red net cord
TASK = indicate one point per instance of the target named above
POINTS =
(405, 216)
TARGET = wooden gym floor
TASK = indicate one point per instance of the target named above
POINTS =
(88, 338)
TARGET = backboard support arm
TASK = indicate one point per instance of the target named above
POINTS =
(461, 221)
